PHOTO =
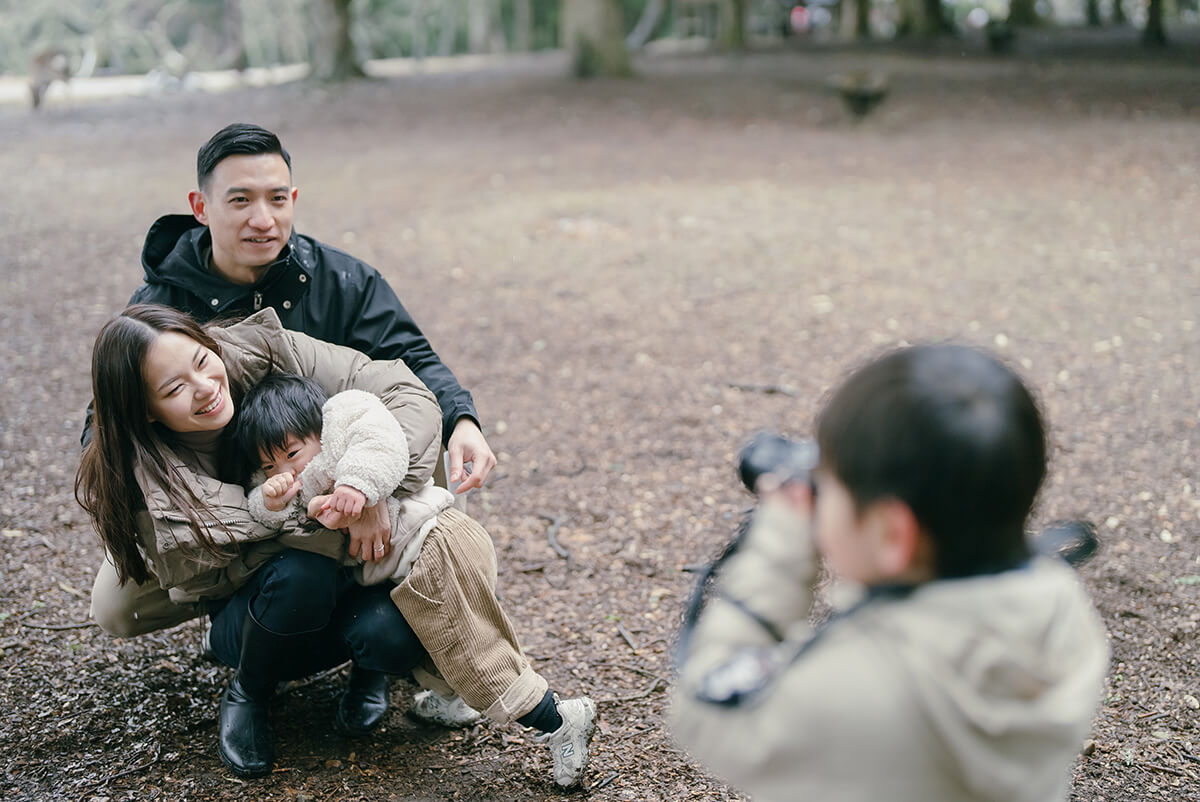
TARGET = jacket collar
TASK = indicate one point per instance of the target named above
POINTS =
(177, 250)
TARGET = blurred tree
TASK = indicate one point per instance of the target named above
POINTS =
(233, 55)
(652, 15)
(856, 19)
(593, 31)
(1023, 12)
(1154, 34)
(733, 24)
(333, 56)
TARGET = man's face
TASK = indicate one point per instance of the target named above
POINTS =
(248, 206)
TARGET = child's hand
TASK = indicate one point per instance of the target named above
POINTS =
(279, 490)
(346, 500)
(797, 495)
(318, 510)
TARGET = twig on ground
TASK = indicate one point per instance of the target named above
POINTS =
(624, 633)
(767, 389)
(501, 753)
(76, 625)
(133, 769)
(633, 696)
(304, 683)
(629, 667)
(582, 467)
(551, 536)
(13, 644)
(601, 783)
(1164, 769)
(636, 733)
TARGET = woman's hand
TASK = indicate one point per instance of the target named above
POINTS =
(371, 533)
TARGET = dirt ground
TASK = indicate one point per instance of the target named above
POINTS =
(632, 277)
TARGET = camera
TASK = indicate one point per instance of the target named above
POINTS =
(768, 452)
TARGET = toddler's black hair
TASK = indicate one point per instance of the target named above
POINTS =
(280, 406)
(953, 433)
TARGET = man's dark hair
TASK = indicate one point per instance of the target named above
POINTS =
(236, 139)
(280, 406)
(953, 433)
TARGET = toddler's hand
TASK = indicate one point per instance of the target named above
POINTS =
(347, 501)
(279, 490)
(318, 510)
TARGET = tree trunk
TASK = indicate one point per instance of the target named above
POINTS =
(522, 26)
(1022, 12)
(448, 27)
(641, 33)
(914, 19)
(593, 33)
(1154, 35)
(855, 22)
(935, 12)
(1118, 13)
(862, 19)
(1092, 13)
(333, 50)
(733, 24)
(233, 54)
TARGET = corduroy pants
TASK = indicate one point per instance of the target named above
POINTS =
(449, 600)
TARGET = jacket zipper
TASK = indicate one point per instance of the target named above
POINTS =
(257, 301)
(180, 519)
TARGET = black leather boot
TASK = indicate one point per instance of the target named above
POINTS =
(365, 702)
(247, 745)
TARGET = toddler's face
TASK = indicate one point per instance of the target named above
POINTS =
(295, 455)
(842, 535)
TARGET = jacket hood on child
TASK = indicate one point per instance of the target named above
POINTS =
(979, 689)
(1005, 669)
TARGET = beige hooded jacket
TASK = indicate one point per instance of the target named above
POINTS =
(976, 689)
(250, 349)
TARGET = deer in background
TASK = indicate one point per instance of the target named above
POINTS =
(45, 67)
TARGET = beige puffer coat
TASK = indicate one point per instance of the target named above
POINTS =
(249, 350)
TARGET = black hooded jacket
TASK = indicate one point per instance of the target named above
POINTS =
(315, 289)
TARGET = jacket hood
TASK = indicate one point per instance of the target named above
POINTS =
(1006, 673)
(177, 250)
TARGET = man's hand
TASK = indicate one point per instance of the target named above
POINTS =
(279, 490)
(371, 533)
(467, 444)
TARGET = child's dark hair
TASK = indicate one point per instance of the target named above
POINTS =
(280, 406)
(953, 433)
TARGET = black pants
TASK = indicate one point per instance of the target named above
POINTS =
(312, 597)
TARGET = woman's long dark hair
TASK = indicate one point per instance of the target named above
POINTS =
(124, 436)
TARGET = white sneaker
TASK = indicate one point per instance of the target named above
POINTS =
(569, 743)
(448, 711)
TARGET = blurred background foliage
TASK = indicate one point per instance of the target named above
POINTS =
(101, 37)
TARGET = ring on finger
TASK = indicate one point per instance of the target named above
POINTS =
(379, 547)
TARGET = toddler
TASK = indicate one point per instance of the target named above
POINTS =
(329, 459)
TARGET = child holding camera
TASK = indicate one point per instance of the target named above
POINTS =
(970, 669)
